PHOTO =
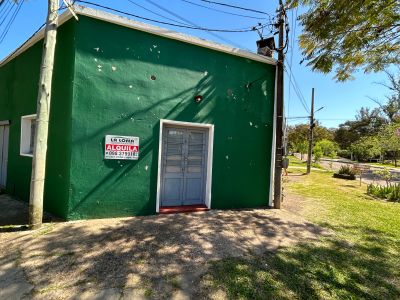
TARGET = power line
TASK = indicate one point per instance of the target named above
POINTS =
(11, 21)
(297, 88)
(237, 7)
(194, 24)
(294, 23)
(155, 13)
(6, 13)
(223, 11)
(33, 34)
(298, 92)
(293, 118)
(171, 24)
(3, 8)
(334, 119)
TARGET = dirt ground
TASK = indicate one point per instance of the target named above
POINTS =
(157, 257)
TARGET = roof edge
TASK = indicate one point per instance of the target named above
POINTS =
(64, 17)
(126, 22)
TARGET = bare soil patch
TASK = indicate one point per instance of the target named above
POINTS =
(159, 256)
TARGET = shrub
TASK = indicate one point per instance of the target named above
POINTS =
(344, 176)
(385, 174)
(390, 192)
(344, 153)
(347, 170)
(318, 153)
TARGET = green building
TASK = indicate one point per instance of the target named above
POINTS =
(142, 119)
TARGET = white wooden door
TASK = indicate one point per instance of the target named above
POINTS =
(4, 133)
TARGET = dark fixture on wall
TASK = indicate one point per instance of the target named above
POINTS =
(266, 46)
(198, 98)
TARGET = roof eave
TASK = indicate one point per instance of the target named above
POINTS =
(123, 21)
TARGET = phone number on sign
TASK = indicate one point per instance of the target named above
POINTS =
(122, 153)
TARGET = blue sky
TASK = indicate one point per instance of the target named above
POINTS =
(340, 100)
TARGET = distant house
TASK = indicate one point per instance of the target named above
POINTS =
(142, 119)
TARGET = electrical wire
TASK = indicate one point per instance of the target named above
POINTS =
(237, 7)
(6, 13)
(298, 92)
(291, 45)
(3, 8)
(11, 21)
(293, 33)
(188, 22)
(33, 34)
(167, 23)
(155, 13)
(296, 86)
(222, 11)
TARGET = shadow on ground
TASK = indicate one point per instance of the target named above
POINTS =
(161, 256)
(330, 269)
(14, 214)
(247, 254)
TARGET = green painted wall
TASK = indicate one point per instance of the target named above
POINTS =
(18, 93)
(113, 94)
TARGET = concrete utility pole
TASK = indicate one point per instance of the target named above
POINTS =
(42, 118)
(311, 134)
(279, 111)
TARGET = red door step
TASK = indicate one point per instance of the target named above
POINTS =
(182, 209)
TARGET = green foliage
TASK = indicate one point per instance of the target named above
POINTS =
(328, 148)
(302, 147)
(385, 174)
(389, 140)
(391, 108)
(344, 153)
(389, 192)
(367, 122)
(318, 153)
(345, 36)
(347, 170)
(298, 134)
(357, 261)
(366, 148)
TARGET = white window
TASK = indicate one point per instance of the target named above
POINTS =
(28, 128)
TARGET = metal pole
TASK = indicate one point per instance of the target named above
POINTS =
(311, 134)
(42, 118)
(279, 112)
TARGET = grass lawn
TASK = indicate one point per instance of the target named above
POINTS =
(359, 260)
(295, 162)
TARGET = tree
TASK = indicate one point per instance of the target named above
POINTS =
(366, 148)
(390, 141)
(302, 148)
(299, 133)
(391, 109)
(345, 36)
(318, 153)
(328, 148)
(367, 122)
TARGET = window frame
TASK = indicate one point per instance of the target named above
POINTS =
(26, 135)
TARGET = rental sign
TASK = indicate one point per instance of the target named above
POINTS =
(121, 147)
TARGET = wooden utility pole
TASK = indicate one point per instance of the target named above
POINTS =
(311, 134)
(42, 118)
(279, 111)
